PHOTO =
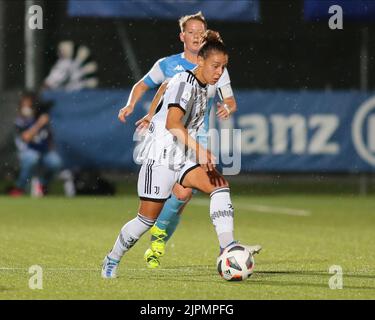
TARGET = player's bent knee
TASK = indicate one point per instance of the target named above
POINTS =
(150, 209)
(208, 189)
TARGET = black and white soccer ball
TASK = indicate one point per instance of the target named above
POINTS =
(236, 263)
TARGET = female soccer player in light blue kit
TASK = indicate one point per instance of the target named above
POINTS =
(192, 27)
(172, 131)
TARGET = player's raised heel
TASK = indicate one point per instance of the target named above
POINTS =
(158, 241)
(109, 268)
(151, 259)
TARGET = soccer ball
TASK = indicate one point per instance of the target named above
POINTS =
(236, 263)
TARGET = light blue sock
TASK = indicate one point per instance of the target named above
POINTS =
(169, 216)
(173, 225)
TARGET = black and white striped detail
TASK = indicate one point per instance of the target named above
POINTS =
(220, 93)
(219, 190)
(148, 177)
(190, 78)
(189, 113)
(180, 92)
(147, 221)
(197, 104)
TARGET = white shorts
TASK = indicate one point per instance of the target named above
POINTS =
(156, 181)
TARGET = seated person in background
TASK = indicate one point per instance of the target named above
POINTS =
(34, 144)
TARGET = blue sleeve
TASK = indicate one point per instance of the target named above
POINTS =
(156, 75)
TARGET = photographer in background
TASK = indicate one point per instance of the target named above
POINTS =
(34, 145)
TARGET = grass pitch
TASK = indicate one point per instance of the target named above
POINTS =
(302, 237)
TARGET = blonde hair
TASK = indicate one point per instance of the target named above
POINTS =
(196, 16)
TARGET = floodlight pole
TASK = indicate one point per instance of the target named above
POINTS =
(33, 49)
(128, 48)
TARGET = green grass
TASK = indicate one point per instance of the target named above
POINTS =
(68, 238)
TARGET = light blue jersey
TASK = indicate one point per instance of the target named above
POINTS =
(165, 68)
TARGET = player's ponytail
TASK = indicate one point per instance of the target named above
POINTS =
(211, 41)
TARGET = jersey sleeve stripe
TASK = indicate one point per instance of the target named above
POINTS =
(148, 81)
(180, 92)
(188, 80)
(188, 115)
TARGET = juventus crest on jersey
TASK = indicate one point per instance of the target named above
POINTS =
(186, 92)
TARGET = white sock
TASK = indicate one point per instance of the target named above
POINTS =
(221, 213)
(129, 235)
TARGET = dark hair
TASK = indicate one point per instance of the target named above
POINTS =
(29, 94)
(212, 42)
(37, 104)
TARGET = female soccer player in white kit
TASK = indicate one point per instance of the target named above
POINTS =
(192, 28)
(170, 154)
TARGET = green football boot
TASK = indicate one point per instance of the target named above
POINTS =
(157, 249)
(151, 259)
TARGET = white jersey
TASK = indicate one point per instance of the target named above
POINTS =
(164, 69)
(186, 92)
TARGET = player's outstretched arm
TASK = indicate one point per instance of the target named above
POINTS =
(228, 104)
(144, 122)
(136, 94)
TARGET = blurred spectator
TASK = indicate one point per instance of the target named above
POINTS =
(35, 145)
